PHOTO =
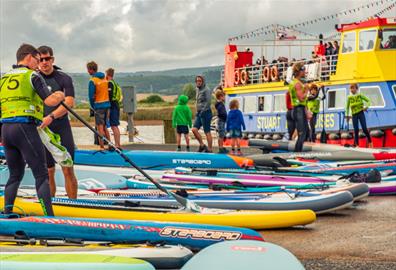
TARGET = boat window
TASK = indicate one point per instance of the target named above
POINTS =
(388, 40)
(249, 104)
(367, 40)
(348, 44)
(374, 94)
(264, 103)
(394, 90)
(336, 98)
(279, 103)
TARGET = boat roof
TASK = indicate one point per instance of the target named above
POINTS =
(374, 22)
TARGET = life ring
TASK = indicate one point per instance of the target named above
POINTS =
(237, 77)
(266, 74)
(244, 77)
(274, 73)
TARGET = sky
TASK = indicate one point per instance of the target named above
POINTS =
(142, 35)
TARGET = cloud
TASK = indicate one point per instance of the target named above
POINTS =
(133, 35)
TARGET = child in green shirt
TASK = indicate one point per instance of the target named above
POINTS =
(313, 104)
(358, 103)
(182, 120)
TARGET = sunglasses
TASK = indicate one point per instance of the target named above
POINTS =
(46, 59)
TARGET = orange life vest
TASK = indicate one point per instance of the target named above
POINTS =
(102, 90)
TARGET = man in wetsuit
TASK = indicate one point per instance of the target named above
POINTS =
(115, 96)
(23, 93)
(98, 94)
(56, 118)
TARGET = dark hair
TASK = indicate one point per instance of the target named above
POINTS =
(24, 50)
(92, 66)
(110, 72)
(45, 50)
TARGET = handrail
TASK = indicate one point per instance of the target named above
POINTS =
(317, 69)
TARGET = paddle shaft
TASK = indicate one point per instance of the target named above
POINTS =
(323, 137)
(183, 201)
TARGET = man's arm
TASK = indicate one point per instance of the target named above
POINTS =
(41, 88)
(68, 89)
(91, 93)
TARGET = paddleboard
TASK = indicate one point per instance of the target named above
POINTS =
(242, 255)
(23, 261)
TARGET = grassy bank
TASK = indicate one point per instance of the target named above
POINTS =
(156, 112)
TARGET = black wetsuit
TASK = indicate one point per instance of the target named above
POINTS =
(22, 145)
(60, 81)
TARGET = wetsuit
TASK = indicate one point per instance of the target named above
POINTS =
(115, 96)
(299, 115)
(291, 124)
(22, 94)
(313, 104)
(60, 81)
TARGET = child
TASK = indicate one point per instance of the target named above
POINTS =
(222, 118)
(313, 105)
(358, 103)
(235, 124)
(182, 120)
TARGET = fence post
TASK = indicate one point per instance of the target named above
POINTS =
(169, 132)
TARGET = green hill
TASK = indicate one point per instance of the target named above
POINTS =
(167, 82)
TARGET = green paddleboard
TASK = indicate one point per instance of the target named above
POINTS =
(243, 255)
(70, 262)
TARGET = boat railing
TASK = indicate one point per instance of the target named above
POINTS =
(317, 69)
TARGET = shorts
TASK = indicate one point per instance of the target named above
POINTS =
(221, 128)
(236, 133)
(114, 116)
(203, 119)
(101, 116)
(182, 129)
(63, 128)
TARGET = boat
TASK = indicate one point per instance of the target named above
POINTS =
(249, 219)
(364, 57)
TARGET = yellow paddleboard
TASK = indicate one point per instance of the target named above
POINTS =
(248, 219)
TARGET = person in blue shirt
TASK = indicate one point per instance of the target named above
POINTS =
(235, 125)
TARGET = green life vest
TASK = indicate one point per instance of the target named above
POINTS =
(357, 103)
(313, 105)
(17, 95)
(116, 97)
(293, 94)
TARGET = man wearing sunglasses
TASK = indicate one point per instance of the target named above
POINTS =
(23, 93)
(56, 118)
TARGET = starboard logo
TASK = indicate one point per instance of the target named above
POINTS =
(192, 161)
(199, 234)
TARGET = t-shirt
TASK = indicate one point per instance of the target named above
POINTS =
(58, 81)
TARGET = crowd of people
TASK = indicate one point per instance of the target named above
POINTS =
(36, 95)
(303, 104)
(231, 122)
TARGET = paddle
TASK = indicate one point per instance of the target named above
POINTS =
(189, 205)
(323, 137)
